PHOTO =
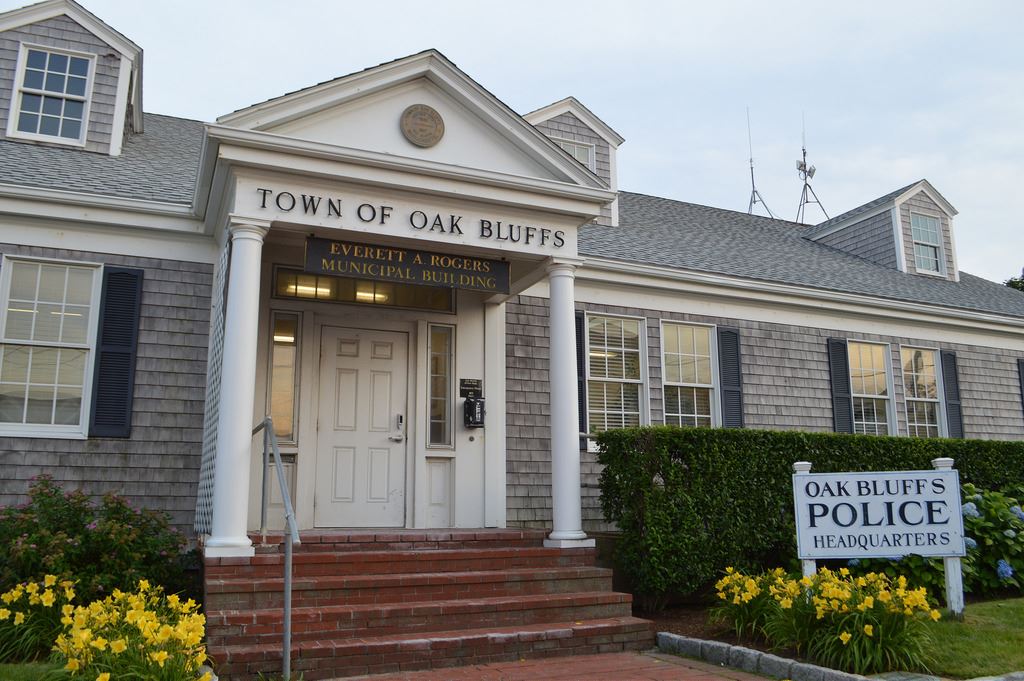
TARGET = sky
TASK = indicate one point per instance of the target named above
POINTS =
(888, 92)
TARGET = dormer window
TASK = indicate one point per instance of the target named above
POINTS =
(52, 101)
(584, 153)
(927, 248)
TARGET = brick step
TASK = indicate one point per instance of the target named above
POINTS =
(340, 622)
(245, 593)
(396, 562)
(326, 659)
(399, 540)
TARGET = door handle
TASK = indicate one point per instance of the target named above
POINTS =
(399, 434)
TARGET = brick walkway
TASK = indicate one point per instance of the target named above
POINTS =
(607, 667)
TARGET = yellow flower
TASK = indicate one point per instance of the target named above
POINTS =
(845, 637)
(206, 677)
(159, 657)
(48, 598)
(869, 630)
(786, 603)
(143, 585)
(72, 665)
(935, 615)
(118, 646)
(4, 614)
(19, 617)
(49, 580)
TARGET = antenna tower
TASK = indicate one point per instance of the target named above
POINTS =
(755, 196)
(806, 173)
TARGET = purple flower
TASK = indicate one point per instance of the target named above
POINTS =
(1004, 570)
(1016, 510)
(970, 510)
(970, 543)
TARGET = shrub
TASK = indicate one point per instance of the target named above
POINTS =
(102, 546)
(140, 635)
(868, 624)
(30, 618)
(690, 501)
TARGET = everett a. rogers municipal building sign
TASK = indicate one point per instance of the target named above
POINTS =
(387, 263)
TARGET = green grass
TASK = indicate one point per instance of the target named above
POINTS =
(25, 672)
(989, 641)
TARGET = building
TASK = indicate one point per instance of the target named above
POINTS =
(360, 258)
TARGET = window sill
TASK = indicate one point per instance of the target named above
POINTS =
(49, 139)
(37, 433)
(929, 273)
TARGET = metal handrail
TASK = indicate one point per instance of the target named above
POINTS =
(270, 445)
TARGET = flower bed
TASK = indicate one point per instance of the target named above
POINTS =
(863, 624)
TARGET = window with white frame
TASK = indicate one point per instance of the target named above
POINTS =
(442, 351)
(870, 389)
(284, 366)
(921, 385)
(47, 336)
(688, 374)
(925, 231)
(614, 373)
(581, 151)
(52, 99)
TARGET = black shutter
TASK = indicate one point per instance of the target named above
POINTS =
(1020, 376)
(951, 388)
(117, 338)
(839, 371)
(730, 377)
(581, 373)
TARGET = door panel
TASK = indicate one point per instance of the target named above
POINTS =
(361, 444)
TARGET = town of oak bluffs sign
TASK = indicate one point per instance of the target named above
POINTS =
(387, 263)
(878, 514)
(500, 232)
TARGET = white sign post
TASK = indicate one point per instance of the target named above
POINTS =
(882, 515)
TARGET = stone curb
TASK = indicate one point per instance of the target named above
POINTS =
(748, 660)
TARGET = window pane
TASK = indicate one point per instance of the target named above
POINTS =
(75, 86)
(12, 403)
(58, 62)
(54, 82)
(71, 370)
(43, 367)
(79, 286)
(53, 106)
(36, 59)
(673, 369)
(51, 283)
(20, 317)
(631, 334)
(33, 79)
(47, 326)
(79, 66)
(282, 378)
(28, 122)
(68, 407)
(40, 404)
(48, 125)
(70, 129)
(14, 365)
(31, 103)
(440, 350)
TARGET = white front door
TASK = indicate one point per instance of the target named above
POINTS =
(360, 465)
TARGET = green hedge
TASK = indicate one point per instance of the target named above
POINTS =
(691, 501)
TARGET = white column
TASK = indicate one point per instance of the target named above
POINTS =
(567, 517)
(238, 379)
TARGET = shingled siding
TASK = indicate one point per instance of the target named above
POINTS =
(568, 127)
(61, 32)
(922, 203)
(158, 466)
(871, 238)
(786, 386)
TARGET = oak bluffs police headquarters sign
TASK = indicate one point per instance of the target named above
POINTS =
(887, 514)
(878, 515)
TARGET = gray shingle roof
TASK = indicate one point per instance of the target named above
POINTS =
(162, 165)
(159, 165)
(662, 232)
(821, 227)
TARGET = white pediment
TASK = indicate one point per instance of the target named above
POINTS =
(363, 111)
